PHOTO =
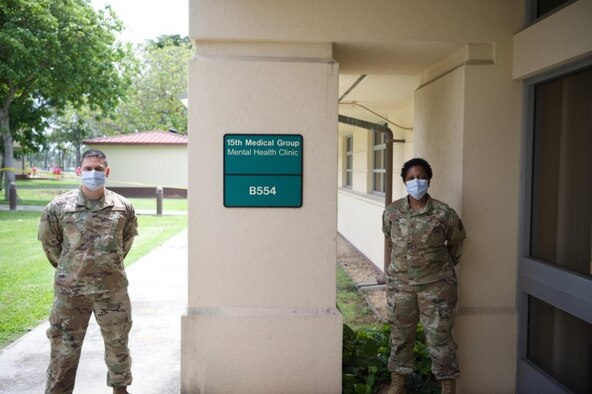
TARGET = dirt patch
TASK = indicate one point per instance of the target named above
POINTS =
(363, 273)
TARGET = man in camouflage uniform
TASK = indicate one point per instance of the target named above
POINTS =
(86, 233)
(426, 238)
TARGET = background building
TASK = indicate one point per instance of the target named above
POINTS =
(144, 160)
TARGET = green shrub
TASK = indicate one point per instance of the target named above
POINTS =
(365, 358)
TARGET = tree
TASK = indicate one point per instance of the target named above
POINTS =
(54, 53)
(153, 99)
(28, 119)
(73, 126)
(169, 40)
(153, 102)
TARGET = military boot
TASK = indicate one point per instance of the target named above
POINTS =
(397, 384)
(448, 386)
(120, 390)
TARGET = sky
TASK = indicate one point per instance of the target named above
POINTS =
(148, 19)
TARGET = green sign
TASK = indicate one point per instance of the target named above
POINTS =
(263, 170)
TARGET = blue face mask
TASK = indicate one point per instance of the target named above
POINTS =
(417, 188)
(93, 180)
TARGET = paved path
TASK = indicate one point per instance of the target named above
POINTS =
(158, 290)
(5, 207)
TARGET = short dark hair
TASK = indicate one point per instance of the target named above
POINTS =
(93, 153)
(416, 162)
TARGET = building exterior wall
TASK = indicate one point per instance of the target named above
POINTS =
(383, 21)
(466, 118)
(467, 115)
(439, 134)
(261, 314)
(359, 209)
(146, 165)
(554, 41)
(360, 218)
(468, 125)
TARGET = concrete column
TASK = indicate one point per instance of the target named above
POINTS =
(261, 315)
(474, 149)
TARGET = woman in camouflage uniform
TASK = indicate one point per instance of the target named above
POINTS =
(426, 237)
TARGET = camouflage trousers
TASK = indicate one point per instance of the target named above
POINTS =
(433, 303)
(68, 323)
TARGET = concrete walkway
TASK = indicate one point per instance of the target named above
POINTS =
(5, 207)
(158, 290)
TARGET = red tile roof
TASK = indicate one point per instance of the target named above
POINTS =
(156, 137)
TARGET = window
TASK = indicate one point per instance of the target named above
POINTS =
(378, 162)
(541, 8)
(555, 271)
(561, 230)
(561, 344)
(349, 161)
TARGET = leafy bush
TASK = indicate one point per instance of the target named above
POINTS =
(365, 358)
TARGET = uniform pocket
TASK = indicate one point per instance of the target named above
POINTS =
(115, 220)
(112, 236)
(435, 235)
(74, 226)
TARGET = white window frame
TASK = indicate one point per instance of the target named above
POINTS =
(348, 161)
(378, 145)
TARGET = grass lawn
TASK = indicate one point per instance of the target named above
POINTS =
(40, 191)
(26, 277)
(356, 312)
(168, 204)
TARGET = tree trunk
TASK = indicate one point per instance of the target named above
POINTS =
(78, 154)
(1, 172)
(8, 151)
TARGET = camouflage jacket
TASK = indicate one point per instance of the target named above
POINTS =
(426, 244)
(87, 244)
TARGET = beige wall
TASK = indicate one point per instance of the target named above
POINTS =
(558, 39)
(360, 218)
(439, 134)
(360, 210)
(468, 125)
(421, 22)
(146, 165)
(261, 314)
